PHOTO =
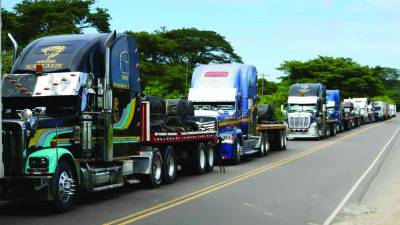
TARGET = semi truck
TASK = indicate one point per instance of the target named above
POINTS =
(392, 110)
(352, 112)
(360, 109)
(306, 114)
(228, 92)
(75, 121)
(381, 110)
(335, 110)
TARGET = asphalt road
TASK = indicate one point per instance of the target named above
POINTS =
(302, 185)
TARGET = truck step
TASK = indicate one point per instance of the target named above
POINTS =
(133, 181)
(108, 187)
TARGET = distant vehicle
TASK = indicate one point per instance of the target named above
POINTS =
(334, 109)
(392, 110)
(306, 115)
(381, 110)
(360, 111)
(228, 92)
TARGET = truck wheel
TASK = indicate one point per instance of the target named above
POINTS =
(318, 134)
(64, 187)
(210, 158)
(265, 145)
(169, 166)
(154, 179)
(328, 131)
(236, 153)
(333, 130)
(261, 151)
(283, 141)
(200, 159)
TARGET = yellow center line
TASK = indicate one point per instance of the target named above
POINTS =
(212, 188)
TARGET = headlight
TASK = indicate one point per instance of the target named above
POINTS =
(38, 162)
(26, 114)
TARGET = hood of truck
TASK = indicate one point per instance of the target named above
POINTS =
(212, 94)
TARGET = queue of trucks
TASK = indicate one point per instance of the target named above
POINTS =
(75, 119)
(314, 112)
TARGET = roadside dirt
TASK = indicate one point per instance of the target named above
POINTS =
(381, 204)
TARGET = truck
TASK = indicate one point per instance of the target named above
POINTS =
(381, 112)
(371, 112)
(392, 110)
(306, 114)
(335, 110)
(360, 109)
(75, 121)
(228, 92)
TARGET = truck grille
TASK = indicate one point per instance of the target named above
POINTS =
(13, 141)
(299, 122)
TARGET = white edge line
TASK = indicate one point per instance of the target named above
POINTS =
(350, 193)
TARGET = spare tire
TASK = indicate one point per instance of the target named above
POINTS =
(176, 107)
(157, 107)
(265, 113)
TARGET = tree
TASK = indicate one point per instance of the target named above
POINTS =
(170, 57)
(352, 79)
(32, 19)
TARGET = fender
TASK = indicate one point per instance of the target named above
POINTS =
(53, 155)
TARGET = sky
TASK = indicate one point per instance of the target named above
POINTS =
(265, 33)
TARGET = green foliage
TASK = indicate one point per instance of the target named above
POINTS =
(6, 62)
(384, 98)
(278, 98)
(170, 56)
(270, 87)
(352, 79)
(30, 20)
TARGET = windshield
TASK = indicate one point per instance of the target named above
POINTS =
(301, 108)
(377, 108)
(214, 105)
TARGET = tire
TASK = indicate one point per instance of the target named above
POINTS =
(154, 179)
(236, 153)
(261, 151)
(333, 130)
(283, 141)
(210, 158)
(318, 134)
(199, 159)
(267, 144)
(328, 132)
(63, 183)
(169, 165)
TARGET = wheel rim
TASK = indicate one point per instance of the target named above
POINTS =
(171, 165)
(282, 141)
(211, 157)
(157, 168)
(202, 159)
(65, 188)
(266, 146)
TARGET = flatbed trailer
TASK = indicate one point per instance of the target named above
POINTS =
(272, 137)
